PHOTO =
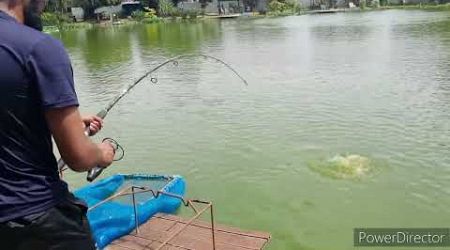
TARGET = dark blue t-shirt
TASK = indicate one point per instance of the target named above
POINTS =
(35, 75)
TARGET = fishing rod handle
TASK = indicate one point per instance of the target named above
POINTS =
(102, 114)
(94, 173)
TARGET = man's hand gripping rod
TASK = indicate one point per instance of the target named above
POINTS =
(96, 171)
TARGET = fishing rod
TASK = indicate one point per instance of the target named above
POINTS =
(96, 171)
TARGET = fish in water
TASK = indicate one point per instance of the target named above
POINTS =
(350, 166)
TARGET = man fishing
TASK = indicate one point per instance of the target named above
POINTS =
(37, 101)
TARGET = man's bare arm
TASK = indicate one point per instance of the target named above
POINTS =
(76, 149)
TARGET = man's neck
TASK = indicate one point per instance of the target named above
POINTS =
(15, 11)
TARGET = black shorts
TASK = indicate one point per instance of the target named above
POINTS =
(65, 226)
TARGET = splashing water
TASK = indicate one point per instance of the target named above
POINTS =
(350, 166)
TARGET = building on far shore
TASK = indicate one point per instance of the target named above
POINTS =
(216, 7)
(77, 14)
(130, 6)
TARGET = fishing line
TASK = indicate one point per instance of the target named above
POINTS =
(95, 172)
(175, 62)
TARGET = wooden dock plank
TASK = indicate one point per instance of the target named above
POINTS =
(189, 240)
(195, 236)
(257, 234)
(224, 237)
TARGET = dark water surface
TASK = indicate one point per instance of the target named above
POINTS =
(373, 86)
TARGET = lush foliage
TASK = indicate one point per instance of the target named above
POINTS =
(284, 7)
(362, 4)
(57, 22)
(372, 3)
(55, 19)
(166, 8)
(49, 19)
(145, 16)
(186, 14)
(138, 15)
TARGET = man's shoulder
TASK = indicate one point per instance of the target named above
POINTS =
(40, 40)
(24, 39)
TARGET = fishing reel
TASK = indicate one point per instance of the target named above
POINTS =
(118, 155)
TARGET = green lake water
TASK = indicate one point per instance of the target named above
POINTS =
(371, 87)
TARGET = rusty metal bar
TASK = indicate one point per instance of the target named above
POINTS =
(136, 222)
(213, 230)
(118, 194)
(192, 206)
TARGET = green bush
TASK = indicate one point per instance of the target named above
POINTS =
(138, 15)
(293, 6)
(145, 16)
(279, 7)
(184, 14)
(153, 19)
(49, 19)
(373, 3)
(165, 8)
(176, 12)
(59, 20)
(275, 6)
(362, 4)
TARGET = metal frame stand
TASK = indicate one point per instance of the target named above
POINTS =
(133, 190)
